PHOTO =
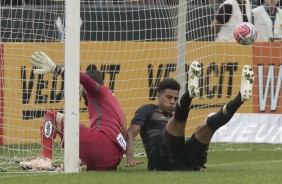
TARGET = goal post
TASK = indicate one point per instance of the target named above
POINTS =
(181, 40)
(72, 68)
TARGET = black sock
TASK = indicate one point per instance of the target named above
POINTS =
(234, 104)
(225, 114)
(182, 109)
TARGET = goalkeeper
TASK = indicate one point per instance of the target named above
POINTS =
(162, 133)
(102, 145)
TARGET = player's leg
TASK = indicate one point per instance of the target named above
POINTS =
(169, 153)
(176, 125)
(197, 146)
(51, 126)
(60, 125)
(205, 132)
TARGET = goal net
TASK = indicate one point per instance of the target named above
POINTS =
(135, 45)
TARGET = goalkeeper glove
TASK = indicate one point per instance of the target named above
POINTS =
(45, 64)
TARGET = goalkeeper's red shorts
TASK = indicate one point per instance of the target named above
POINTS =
(97, 150)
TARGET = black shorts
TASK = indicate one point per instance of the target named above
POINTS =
(172, 153)
(196, 154)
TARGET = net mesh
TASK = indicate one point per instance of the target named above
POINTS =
(135, 46)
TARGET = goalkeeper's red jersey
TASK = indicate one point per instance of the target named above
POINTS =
(104, 111)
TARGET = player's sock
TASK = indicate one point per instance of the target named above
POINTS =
(48, 133)
(183, 107)
(225, 114)
(234, 105)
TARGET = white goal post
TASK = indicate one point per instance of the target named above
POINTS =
(72, 68)
(135, 46)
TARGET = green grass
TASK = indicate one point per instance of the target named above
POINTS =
(244, 166)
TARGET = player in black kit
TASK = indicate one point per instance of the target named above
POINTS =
(162, 126)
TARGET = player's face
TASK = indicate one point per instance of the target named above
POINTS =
(167, 100)
(271, 2)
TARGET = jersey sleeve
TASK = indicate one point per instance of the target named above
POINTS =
(142, 115)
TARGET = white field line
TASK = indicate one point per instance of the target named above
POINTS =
(247, 162)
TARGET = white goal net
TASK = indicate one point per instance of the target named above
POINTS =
(135, 45)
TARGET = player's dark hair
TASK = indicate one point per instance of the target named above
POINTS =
(168, 83)
(96, 76)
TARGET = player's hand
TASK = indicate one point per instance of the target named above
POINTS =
(133, 162)
(43, 62)
(83, 167)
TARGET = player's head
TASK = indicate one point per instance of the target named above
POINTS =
(96, 76)
(272, 3)
(168, 94)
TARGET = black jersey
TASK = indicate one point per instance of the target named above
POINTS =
(165, 151)
(153, 122)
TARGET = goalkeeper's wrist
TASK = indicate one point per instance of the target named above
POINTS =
(59, 70)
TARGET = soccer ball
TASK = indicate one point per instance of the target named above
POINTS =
(245, 33)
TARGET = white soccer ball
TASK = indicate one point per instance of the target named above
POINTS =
(245, 33)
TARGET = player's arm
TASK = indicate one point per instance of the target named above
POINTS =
(46, 65)
(138, 121)
(131, 133)
(124, 120)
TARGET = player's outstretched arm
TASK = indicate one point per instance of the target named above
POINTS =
(44, 64)
(131, 133)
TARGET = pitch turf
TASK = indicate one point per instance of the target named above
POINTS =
(243, 166)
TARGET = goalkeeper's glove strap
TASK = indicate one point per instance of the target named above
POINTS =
(59, 70)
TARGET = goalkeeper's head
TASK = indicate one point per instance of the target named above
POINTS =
(96, 76)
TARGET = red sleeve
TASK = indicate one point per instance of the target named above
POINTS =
(89, 84)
